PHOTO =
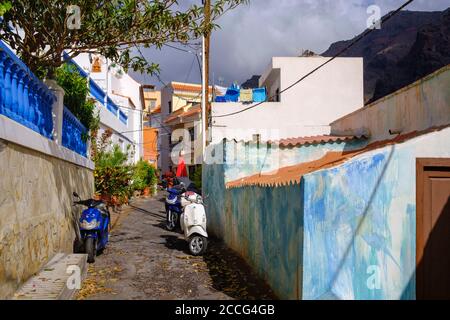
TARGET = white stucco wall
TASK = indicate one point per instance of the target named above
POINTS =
(304, 110)
(121, 88)
(419, 106)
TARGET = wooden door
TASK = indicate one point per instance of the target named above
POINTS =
(433, 229)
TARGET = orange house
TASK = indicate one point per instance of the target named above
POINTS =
(151, 136)
(151, 152)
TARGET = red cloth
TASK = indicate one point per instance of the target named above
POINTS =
(181, 169)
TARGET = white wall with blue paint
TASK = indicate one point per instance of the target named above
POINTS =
(263, 225)
(347, 232)
(360, 220)
(245, 159)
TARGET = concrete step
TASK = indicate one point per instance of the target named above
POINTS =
(51, 282)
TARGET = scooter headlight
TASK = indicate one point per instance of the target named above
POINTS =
(90, 225)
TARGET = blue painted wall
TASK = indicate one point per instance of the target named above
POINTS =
(263, 225)
(360, 222)
(343, 233)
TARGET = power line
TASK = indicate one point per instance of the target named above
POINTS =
(180, 49)
(190, 70)
(159, 78)
(359, 38)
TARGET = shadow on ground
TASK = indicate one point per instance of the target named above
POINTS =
(175, 243)
(232, 275)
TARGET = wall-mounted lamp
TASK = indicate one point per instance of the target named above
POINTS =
(396, 131)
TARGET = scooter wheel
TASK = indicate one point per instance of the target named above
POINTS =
(90, 249)
(197, 245)
(78, 246)
(171, 223)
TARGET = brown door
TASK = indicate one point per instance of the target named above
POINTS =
(433, 229)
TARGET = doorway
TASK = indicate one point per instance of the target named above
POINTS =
(433, 229)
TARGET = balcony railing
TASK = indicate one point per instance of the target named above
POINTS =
(23, 97)
(97, 92)
(73, 133)
(123, 117)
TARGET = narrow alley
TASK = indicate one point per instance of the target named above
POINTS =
(145, 261)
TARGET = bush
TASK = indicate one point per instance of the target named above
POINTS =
(197, 177)
(75, 95)
(112, 174)
(144, 175)
(113, 182)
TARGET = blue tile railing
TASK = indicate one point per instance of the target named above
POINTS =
(23, 97)
(73, 133)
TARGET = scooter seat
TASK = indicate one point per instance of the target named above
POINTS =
(175, 191)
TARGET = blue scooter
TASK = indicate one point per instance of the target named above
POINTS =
(173, 206)
(94, 225)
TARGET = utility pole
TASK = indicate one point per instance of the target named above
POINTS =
(205, 75)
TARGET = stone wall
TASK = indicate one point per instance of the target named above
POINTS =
(36, 213)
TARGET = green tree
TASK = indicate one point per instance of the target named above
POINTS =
(41, 30)
(4, 7)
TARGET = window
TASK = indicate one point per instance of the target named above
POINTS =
(277, 95)
(152, 104)
(257, 139)
(192, 134)
(170, 106)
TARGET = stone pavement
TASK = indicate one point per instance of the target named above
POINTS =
(145, 261)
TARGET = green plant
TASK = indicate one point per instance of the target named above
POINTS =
(144, 175)
(197, 177)
(113, 181)
(112, 174)
(75, 95)
(4, 7)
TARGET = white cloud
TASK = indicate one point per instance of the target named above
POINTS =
(251, 34)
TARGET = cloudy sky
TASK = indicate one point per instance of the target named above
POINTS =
(251, 34)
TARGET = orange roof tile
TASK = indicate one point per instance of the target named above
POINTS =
(293, 174)
(182, 113)
(293, 142)
(156, 110)
(188, 87)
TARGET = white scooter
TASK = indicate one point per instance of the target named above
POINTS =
(193, 222)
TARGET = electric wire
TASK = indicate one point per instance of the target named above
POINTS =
(359, 38)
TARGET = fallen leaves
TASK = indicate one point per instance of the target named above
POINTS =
(97, 280)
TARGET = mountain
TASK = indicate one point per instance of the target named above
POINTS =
(406, 48)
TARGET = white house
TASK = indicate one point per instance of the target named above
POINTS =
(306, 109)
(121, 108)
